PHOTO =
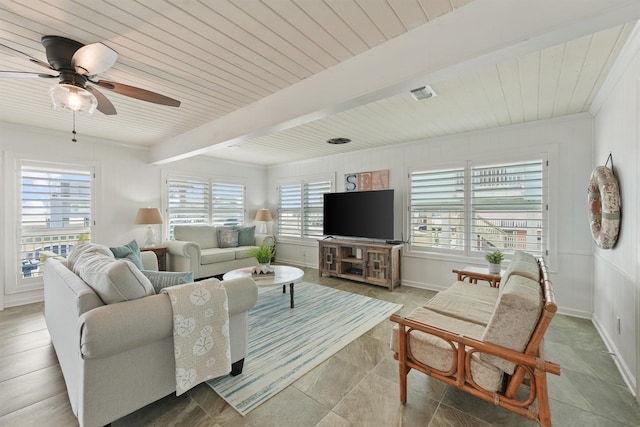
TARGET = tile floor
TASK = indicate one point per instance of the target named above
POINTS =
(358, 386)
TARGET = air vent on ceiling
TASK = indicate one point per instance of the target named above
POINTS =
(423, 92)
(338, 141)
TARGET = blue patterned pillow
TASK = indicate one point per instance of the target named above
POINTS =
(227, 237)
(129, 251)
(163, 279)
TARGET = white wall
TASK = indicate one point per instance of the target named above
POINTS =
(568, 141)
(616, 271)
(125, 182)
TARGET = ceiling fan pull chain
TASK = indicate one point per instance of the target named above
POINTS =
(73, 139)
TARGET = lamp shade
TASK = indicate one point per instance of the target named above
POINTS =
(149, 216)
(263, 215)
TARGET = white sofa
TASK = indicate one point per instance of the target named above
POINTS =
(196, 248)
(119, 357)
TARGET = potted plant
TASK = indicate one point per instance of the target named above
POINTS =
(262, 253)
(494, 258)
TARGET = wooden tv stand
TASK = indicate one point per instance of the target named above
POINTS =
(374, 263)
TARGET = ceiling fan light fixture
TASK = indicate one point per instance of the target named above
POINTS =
(74, 98)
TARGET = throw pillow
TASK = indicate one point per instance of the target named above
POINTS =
(227, 238)
(130, 251)
(82, 249)
(114, 280)
(163, 279)
(247, 236)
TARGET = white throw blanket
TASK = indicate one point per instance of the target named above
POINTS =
(200, 332)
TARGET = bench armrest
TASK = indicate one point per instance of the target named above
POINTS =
(473, 276)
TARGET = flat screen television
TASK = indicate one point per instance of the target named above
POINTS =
(367, 214)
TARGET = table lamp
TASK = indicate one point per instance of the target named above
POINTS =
(149, 217)
(262, 216)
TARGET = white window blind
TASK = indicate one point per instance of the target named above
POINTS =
(290, 210)
(437, 209)
(203, 201)
(477, 208)
(507, 207)
(227, 204)
(313, 207)
(188, 203)
(56, 212)
(300, 208)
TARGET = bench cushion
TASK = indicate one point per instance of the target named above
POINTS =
(438, 354)
(514, 319)
(523, 264)
(465, 301)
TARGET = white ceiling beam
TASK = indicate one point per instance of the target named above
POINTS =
(480, 33)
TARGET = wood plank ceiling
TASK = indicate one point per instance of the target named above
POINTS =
(217, 57)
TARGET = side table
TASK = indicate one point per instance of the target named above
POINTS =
(473, 274)
(161, 254)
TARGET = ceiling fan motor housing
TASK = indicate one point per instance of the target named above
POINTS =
(59, 51)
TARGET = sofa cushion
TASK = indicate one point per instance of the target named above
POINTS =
(227, 237)
(438, 354)
(130, 251)
(203, 234)
(114, 280)
(247, 236)
(514, 319)
(163, 279)
(215, 255)
(242, 252)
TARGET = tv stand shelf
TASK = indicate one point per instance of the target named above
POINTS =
(373, 263)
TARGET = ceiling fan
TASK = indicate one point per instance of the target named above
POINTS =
(77, 65)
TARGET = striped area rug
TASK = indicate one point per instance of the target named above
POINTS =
(286, 343)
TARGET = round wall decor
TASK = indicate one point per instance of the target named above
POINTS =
(604, 207)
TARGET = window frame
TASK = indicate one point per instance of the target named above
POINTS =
(21, 284)
(468, 253)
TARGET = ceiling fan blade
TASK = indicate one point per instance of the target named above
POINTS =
(104, 105)
(94, 58)
(15, 52)
(24, 75)
(136, 92)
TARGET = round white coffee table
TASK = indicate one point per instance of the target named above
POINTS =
(283, 275)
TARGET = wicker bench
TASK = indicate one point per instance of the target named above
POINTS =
(486, 341)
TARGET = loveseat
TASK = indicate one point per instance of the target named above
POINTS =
(207, 250)
(484, 340)
(117, 357)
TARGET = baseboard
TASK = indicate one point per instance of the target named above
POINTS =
(23, 298)
(426, 286)
(627, 376)
(575, 313)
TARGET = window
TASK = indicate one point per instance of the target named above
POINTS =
(202, 201)
(56, 213)
(476, 208)
(437, 209)
(300, 209)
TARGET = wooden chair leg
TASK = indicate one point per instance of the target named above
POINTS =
(542, 394)
(402, 363)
